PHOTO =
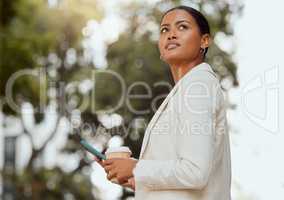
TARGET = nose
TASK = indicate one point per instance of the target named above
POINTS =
(172, 35)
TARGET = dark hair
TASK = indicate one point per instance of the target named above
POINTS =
(200, 19)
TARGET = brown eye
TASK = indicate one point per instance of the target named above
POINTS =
(182, 27)
(163, 30)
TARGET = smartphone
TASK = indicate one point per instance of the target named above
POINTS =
(92, 150)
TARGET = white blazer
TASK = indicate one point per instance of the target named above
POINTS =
(185, 153)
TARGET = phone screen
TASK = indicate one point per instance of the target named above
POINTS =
(92, 150)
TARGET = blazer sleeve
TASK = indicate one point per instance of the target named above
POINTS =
(197, 100)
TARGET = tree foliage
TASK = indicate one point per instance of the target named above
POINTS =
(135, 55)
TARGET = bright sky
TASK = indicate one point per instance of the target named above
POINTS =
(257, 152)
(257, 141)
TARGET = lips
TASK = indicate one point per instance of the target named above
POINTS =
(172, 45)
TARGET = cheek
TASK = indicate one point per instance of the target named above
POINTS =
(161, 45)
(192, 42)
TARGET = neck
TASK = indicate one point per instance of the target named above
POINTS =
(178, 70)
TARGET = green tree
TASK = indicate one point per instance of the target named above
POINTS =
(37, 38)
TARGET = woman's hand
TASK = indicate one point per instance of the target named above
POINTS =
(130, 183)
(120, 168)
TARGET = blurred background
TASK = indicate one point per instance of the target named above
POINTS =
(92, 67)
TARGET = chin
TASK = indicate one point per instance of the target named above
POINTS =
(173, 58)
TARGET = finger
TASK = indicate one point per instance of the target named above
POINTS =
(126, 185)
(108, 168)
(111, 175)
(122, 179)
(108, 162)
(131, 182)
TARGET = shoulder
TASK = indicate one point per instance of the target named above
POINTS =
(201, 76)
(203, 72)
(201, 88)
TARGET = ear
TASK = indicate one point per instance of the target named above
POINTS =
(205, 41)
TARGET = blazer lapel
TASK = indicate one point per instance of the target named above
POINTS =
(202, 66)
(155, 118)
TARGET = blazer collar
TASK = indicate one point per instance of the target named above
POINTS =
(201, 67)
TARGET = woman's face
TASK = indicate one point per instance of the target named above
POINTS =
(180, 39)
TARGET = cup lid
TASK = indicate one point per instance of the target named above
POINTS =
(118, 150)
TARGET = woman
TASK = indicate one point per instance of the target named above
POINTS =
(185, 152)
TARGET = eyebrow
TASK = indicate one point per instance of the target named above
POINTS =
(178, 22)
